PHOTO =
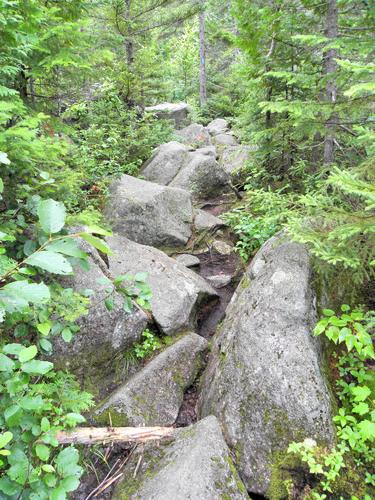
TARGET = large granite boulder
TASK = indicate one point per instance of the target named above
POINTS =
(95, 354)
(197, 172)
(165, 163)
(218, 126)
(224, 140)
(234, 159)
(154, 395)
(195, 465)
(177, 292)
(150, 213)
(194, 135)
(178, 113)
(265, 381)
(202, 176)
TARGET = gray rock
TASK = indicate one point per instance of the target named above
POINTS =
(222, 248)
(188, 260)
(154, 395)
(204, 220)
(95, 353)
(196, 465)
(265, 380)
(177, 292)
(218, 126)
(178, 113)
(209, 151)
(149, 213)
(234, 159)
(194, 135)
(165, 163)
(219, 280)
(202, 176)
(224, 140)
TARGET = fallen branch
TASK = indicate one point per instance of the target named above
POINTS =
(92, 435)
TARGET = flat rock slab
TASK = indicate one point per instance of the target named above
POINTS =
(154, 395)
(222, 247)
(204, 220)
(149, 213)
(188, 260)
(209, 151)
(219, 280)
(177, 112)
(177, 292)
(195, 465)
(194, 135)
(104, 335)
(265, 380)
(218, 126)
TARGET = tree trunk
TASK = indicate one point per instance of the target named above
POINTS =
(202, 62)
(330, 67)
(92, 435)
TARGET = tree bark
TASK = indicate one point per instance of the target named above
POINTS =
(92, 435)
(202, 59)
(330, 67)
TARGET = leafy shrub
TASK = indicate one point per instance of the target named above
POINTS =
(355, 421)
(149, 344)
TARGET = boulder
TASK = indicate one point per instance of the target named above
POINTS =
(150, 213)
(265, 381)
(176, 112)
(194, 135)
(188, 260)
(204, 220)
(177, 292)
(154, 395)
(218, 126)
(195, 465)
(234, 159)
(225, 140)
(222, 247)
(219, 280)
(95, 354)
(172, 164)
(209, 151)
(202, 176)
(165, 163)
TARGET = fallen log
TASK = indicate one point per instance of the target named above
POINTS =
(94, 435)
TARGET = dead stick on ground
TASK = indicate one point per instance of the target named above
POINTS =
(92, 435)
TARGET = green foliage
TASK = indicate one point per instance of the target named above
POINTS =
(355, 421)
(149, 344)
(113, 139)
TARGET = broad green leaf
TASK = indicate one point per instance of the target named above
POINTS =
(36, 367)
(42, 451)
(27, 353)
(44, 328)
(70, 483)
(13, 349)
(361, 393)
(51, 215)
(12, 415)
(16, 295)
(67, 334)
(5, 438)
(50, 261)
(6, 364)
(67, 246)
(66, 461)
(99, 244)
(98, 230)
(45, 426)
(48, 468)
(361, 408)
(109, 304)
(31, 403)
(8, 487)
(51, 480)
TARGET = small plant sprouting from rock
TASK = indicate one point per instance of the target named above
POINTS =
(355, 421)
(149, 344)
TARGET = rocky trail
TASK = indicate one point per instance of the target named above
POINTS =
(241, 375)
